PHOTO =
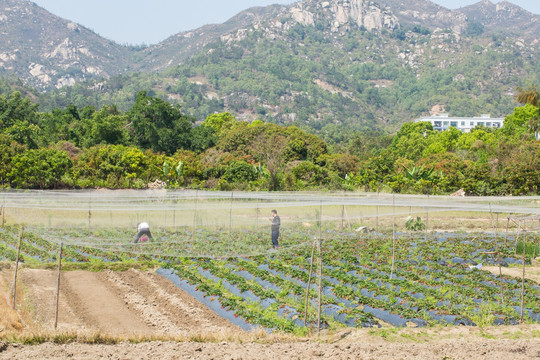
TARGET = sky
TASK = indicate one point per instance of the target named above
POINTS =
(137, 22)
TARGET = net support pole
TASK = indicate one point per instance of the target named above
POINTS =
(320, 288)
(393, 235)
(500, 278)
(257, 216)
(90, 212)
(230, 220)
(377, 220)
(506, 233)
(194, 215)
(17, 268)
(523, 281)
(58, 285)
(309, 280)
(426, 227)
(320, 220)
(4, 212)
(492, 221)
(342, 216)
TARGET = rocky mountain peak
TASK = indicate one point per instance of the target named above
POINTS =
(341, 14)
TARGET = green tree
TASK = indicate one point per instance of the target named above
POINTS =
(16, 108)
(108, 126)
(158, 125)
(39, 168)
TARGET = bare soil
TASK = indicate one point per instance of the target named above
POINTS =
(130, 303)
(531, 272)
(137, 303)
(460, 343)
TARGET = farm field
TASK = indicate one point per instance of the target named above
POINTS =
(223, 282)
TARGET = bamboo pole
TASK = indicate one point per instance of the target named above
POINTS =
(309, 280)
(320, 288)
(17, 267)
(58, 285)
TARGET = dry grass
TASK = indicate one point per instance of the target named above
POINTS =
(9, 318)
(33, 337)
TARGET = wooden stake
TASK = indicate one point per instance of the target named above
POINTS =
(17, 267)
(58, 285)
(320, 288)
(309, 280)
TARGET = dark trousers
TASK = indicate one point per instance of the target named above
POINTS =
(275, 235)
(143, 232)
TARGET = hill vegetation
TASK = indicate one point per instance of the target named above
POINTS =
(331, 68)
(88, 148)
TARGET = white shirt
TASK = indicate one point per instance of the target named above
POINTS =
(143, 226)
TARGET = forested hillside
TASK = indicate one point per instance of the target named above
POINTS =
(332, 68)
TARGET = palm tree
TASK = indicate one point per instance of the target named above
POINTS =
(531, 95)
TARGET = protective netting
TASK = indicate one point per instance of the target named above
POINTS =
(234, 224)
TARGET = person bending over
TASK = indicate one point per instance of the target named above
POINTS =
(143, 229)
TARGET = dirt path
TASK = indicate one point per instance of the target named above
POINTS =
(359, 344)
(118, 303)
(531, 272)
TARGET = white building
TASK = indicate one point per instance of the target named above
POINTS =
(465, 124)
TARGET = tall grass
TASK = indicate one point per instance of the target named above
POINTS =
(531, 249)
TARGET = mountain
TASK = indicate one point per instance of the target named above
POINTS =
(47, 51)
(324, 65)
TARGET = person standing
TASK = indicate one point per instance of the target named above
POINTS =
(276, 223)
(143, 229)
